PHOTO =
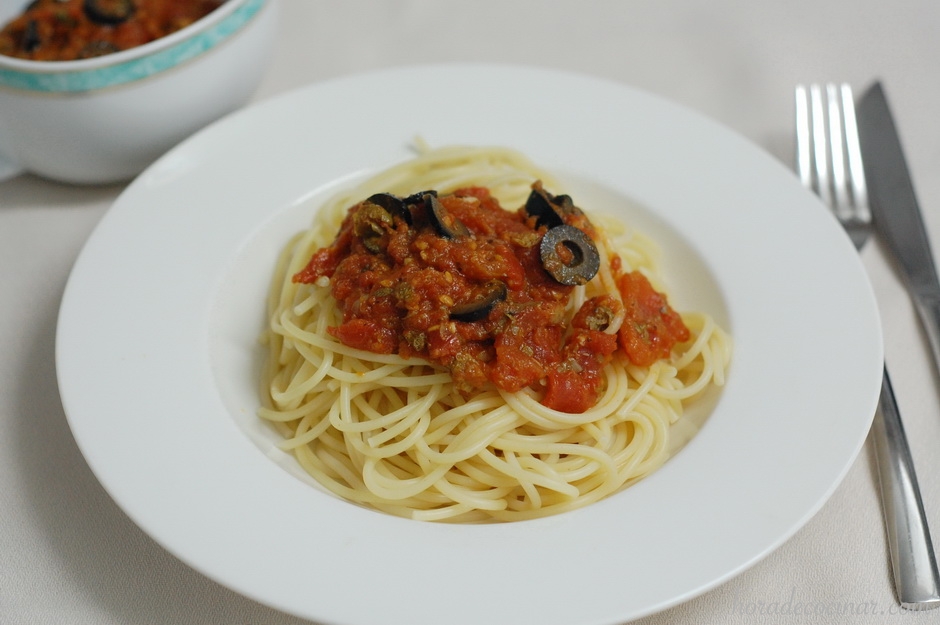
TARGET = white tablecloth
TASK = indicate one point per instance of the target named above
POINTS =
(69, 555)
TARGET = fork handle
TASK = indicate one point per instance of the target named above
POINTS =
(912, 555)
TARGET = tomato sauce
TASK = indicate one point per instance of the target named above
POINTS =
(651, 327)
(68, 30)
(482, 304)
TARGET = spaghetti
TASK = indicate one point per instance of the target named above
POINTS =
(408, 432)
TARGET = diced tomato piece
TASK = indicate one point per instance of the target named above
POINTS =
(566, 391)
(650, 328)
(367, 335)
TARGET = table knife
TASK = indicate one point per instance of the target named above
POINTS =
(895, 209)
(898, 220)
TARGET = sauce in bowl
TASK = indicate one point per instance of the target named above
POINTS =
(68, 30)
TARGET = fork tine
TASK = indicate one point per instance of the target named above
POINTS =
(820, 144)
(804, 156)
(854, 153)
(840, 198)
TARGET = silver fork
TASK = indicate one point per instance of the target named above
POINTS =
(829, 163)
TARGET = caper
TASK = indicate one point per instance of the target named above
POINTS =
(97, 48)
(393, 204)
(370, 223)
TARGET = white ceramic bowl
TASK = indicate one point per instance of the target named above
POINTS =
(105, 119)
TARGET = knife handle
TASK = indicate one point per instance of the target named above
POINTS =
(912, 555)
(928, 309)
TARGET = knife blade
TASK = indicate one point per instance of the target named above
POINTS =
(895, 209)
(897, 217)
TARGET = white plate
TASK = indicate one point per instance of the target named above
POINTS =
(157, 357)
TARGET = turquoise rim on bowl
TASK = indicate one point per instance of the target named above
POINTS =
(75, 81)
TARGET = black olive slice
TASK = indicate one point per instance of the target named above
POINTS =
(418, 198)
(31, 39)
(569, 255)
(493, 292)
(549, 210)
(393, 204)
(446, 224)
(109, 12)
(539, 206)
(566, 204)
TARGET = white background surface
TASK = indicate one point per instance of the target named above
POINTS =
(69, 555)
